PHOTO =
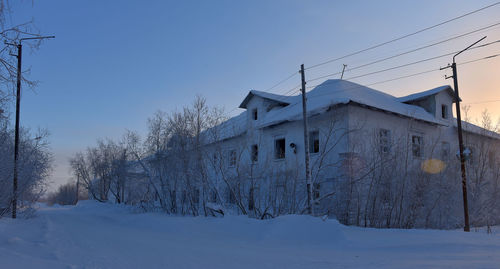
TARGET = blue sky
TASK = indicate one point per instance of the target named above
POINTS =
(114, 63)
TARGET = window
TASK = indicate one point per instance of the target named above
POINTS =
(251, 202)
(173, 200)
(213, 196)
(417, 143)
(445, 151)
(255, 115)
(232, 158)
(279, 148)
(492, 159)
(444, 111)
(196, 196)
(316, 189)
(255, 153)
(385, 140)
(231, 198)
(469, 152)
(314, 142)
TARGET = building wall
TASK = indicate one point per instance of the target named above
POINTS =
(349, 140)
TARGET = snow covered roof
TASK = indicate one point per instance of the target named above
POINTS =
(335, 92)
(421, 95)
(270, 96)
(232, 127)
(472, 128)
(320, 99)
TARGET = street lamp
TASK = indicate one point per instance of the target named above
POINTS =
(461, 149)
(18, 103)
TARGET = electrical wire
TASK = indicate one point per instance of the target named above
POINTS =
(411, 63)
(389, 80)
(282, 81)
(407, 52)
(401, 37)
(407, 76)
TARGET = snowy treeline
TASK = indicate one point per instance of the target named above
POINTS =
(34, 167)
(178, 169)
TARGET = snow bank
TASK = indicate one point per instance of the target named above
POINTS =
(96, 235)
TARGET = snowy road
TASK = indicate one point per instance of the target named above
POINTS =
(93, 235)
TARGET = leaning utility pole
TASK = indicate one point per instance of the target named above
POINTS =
(306, 142)
(343, 69)
(18, 105)
(460, 135)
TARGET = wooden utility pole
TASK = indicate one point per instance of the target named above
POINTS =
(18, 106)
(306, 142)
(453, 66)
(16, 139)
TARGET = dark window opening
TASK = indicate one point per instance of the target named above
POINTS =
(196, 196)
(417, 145)
(213, 197)
(314, 142)
(255, 115)
(316, 189)
(444, 111)
(279, 148)
(251, 202)
(445, 151)
(255, 153)
(231, 197)
(385, 140)
(232, 158)
(469, 154)
(173, 201)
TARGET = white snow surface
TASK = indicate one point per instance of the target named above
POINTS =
(94, 235)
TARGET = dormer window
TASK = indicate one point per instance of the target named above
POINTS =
(255, 115)
(444, 111)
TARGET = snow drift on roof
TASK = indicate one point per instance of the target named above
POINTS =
(271, 96)
(336, 91)
(472, 128)
(424, 94)
(320, 99)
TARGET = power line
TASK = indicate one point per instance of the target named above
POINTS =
(291, 91)
(411, 63)
(411, 75)
(282, 81)
(408, 52)
(402, 37)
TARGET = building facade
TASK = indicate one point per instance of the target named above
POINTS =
(370, 152)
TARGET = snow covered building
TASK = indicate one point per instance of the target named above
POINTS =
(353, 129)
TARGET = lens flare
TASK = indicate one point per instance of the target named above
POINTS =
(433, 166)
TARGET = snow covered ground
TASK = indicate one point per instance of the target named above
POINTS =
(93, 235)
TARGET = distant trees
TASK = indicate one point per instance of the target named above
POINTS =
(35, 165)
(65, 195)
